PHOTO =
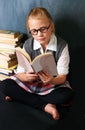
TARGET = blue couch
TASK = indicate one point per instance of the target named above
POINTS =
(69, 19)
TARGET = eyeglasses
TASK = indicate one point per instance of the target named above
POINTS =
(42, 30)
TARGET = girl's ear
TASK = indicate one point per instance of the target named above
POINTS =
(53, 27)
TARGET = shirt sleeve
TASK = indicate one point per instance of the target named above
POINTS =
(19, 69)
(63, 62)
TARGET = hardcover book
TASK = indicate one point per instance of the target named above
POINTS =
(9, 33)
(7, 64)
(7, 57)
(11, 40)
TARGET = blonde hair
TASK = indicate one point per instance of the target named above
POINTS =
(38, 13)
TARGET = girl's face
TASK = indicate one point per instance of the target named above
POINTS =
(41, 29)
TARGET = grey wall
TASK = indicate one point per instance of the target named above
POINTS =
(68, 15)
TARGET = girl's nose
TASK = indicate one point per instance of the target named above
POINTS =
(39, 33)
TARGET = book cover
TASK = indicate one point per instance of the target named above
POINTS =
(43, 62)
(9, 33)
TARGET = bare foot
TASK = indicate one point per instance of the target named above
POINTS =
(51, 109)
(7, 98)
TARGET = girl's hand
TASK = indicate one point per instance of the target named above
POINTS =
(27, 76)
(31, 76)
(45, 77)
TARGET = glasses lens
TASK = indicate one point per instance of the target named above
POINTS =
(43, 29)
(34, 31)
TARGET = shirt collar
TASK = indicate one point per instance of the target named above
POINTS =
(51, 46)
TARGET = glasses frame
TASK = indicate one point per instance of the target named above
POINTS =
(42, 30)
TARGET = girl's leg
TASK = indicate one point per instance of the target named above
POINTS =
(47, 102)
(59, 96)
(56, 98)
(11, 89)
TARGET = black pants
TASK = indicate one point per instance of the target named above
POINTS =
(58, 96)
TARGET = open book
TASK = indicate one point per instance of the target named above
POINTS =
(45, 62)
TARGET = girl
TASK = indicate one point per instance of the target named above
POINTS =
(42, 90)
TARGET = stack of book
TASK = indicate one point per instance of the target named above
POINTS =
(9, 40)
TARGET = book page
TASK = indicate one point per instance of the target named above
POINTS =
(23, 52)
(45, 62)
(23, 61)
